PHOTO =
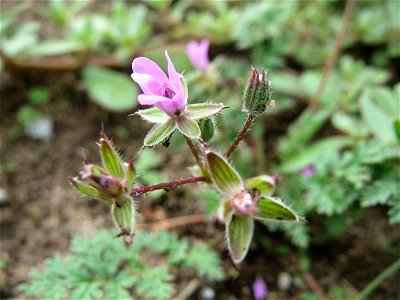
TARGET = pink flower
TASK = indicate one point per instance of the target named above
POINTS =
(260, 288)
(308, 171)
(165, 93)
(198, 53)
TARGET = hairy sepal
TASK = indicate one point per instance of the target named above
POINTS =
(203, 110)
(273, 209)
(111, 158)
(153, 115)
(159, 133)
(239, 230)
(188, 127)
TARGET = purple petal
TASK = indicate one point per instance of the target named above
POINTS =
(151, 99)
(176, 81)
(144, 65)
(147, 83)
(260, 288)
(198, 53)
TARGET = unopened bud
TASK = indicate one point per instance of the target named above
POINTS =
(257, 93)
(207, 127)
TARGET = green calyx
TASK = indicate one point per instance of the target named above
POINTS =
(257, 93)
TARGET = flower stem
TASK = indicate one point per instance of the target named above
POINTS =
(196, 155)
(250, 119)
(165, 185)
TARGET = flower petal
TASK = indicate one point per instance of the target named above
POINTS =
(151, 99)
(147, 83)
(176, 81)
(143, 65)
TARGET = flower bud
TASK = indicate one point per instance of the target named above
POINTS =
(207, 128)
(257, 93)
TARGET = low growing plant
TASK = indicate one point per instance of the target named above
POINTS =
(104, 268)
(240, 201)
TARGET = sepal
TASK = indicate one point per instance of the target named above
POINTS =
(111, 159)
(207, 128)
(271, 208)
(263, 185)
(239, 233)
(159, 133)
(124, 215)
(224, 176)
(188, 127)
(203, 110)
(153, 115)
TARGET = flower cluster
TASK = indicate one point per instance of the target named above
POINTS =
(242, 201)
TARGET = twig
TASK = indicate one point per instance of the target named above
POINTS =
(335, 52)
(165, 185)
(241, 135)
(314, 285)
(176, 222)
(196, 156)
(188, 290)
(379, 279)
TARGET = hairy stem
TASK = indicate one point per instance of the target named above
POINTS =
(196, 156)
(250, 119)
(165, 185)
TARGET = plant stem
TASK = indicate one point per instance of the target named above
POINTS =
(379, 279)
(250, 119)
(196, 156)
(165, 185)
(176, 222)
(334, 54)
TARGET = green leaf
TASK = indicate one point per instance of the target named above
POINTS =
(111, 158)
(188, 127)
(379, 192)
(377, 120)
(110, 89)
(206, 262)
(159, 133)
(270, 208)
(203, 110)
(349, 124)
(153, 115)
(154, 284)
(225, 177)
(263, 185)
(54, 47)
(239, 231)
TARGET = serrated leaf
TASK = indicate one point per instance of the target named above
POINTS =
(206, 262)
(379, 193)
(263, 185)
(376, 119)
(270, 208)
(188, 127)
(154, 284)
(225, 177)
(110, 89)
(159, 133)
(203, 110)
(239, 231)
(153, 115)
(111, 158)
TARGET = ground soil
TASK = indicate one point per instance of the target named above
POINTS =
(42, 213)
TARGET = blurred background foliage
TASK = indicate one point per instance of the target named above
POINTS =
(350, 140)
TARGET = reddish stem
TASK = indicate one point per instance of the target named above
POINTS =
(165, 185)
(334, 54)
(241, 135)
(196, 156)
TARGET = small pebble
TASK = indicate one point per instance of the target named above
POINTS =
(208, 293)
(3, 196)
(41, 129)
(284, 281)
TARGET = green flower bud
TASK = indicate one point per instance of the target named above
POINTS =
(207, 127)
(257, 93)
